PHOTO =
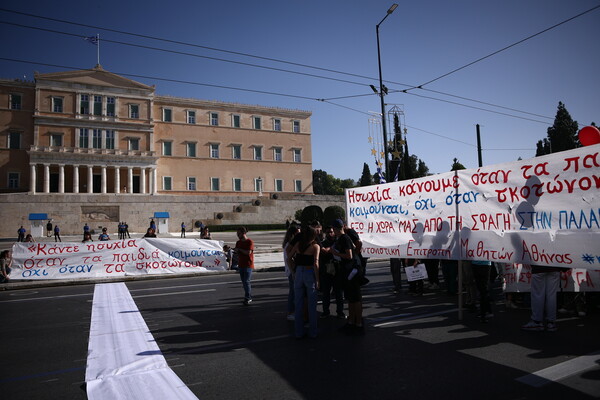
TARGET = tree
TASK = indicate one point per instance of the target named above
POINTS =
(310, 214)
(324, 183)
(561, 136)
(456, 165)
(366, 178)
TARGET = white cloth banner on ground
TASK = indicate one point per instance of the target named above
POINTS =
(116, 258)
(543, 211)
(517, 278)
(124, 361)
(416, 273)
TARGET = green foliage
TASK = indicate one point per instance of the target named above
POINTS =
(366, 178)
(332, 213)
(562, 135)
(324, 183)
(311, 213)
(456, 165)
(297, 215)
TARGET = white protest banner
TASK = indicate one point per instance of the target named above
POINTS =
(116, 258)
(543, 211)
(517, 278)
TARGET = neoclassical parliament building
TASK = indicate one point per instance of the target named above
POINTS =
(91, 131)
(94, 133)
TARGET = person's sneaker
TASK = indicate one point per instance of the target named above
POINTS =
(291, 317)
(510, 304)
(533, 326)
(488, 315)
(434, 286)
(551, 326)
(325, 315)
(341, 316)
(581, 313)
(247, 301)
(563, 310)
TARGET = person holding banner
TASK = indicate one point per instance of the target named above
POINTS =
(244, 248)
(5, 264)
(415, 287)
(545, 281)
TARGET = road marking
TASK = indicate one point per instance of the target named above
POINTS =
(411, 317)
(172, 293)
(561, 371)
(124, 361)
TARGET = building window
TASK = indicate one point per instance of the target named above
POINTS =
(57, 104)
(191, 149)
(97, 139)
(258, 153)
(237, 184)
(84, 106)
(215, 184)
(84, 138)
(297, 155)
(214, 118)
(236, 152)
(13, 180)
(214, 150)
(258, 184)
(279, 185)
(167, 183)
(97, 105)
(110, 139)
(134, 111)
(191, 117)
(56, 139)
(256, 122)
(277, 154)
(298, 186)
(276, 124)
(191, 183)
(14, 140)
(15, 101)
(134, 144)
(167, 115)
(167, 148)
(296, 126)
(236, 121)
(110, 106)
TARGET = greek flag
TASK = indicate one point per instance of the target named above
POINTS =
(92, 39)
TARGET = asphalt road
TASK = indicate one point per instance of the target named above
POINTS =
(414, 348)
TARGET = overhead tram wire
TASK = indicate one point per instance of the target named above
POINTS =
(189, 54)
(505, 48)
(168, 80)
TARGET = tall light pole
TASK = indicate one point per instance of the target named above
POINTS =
(382, 92)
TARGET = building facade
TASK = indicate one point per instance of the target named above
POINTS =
(94, 132)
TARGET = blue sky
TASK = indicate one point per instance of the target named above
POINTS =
(420, 41)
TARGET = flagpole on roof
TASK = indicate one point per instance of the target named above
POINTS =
(98, 49)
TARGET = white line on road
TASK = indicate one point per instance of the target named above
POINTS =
(172, 293)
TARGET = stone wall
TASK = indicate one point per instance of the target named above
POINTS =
(72, 211)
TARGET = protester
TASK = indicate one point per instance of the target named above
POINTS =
(330, 277)
(396, 271)
(29, 238)
(481, 275)
(244, 249)
(305, 256)
(104, 235)
(545, 282)
(5, 266)
(205, 234)
(87, 237)
(291, 232)
(433, 271)
(450, 273)
(21, 234)
(150, 233)
(415, 288)
(342, 252)
(57, 234)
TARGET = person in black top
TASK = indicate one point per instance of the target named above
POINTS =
(330, 278)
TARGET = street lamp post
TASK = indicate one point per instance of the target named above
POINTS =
(382, 92)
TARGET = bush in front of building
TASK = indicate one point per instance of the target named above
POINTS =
(332, 213)
(310, 214)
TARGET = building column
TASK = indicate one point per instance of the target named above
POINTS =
(129, 180)
(90, 183)
(117, 180)
(46, 178)
(143, 180)
(32, 178)
(153, 181)
(75, 178)
(61, 178)
(104, 179)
